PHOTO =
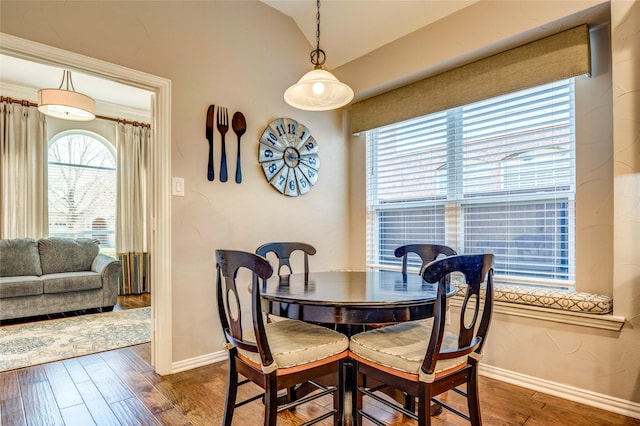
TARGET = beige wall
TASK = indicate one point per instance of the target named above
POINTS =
(604, 362)
(244, 54)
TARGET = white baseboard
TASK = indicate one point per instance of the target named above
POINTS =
(582, 396)
(199, 361)
(593, 399)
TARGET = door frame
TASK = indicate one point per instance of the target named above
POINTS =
(159, 194)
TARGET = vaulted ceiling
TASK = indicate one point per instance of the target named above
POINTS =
(349, 29)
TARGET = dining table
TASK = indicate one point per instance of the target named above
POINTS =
(351, 301)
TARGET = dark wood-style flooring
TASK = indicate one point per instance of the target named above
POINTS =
(120, 387)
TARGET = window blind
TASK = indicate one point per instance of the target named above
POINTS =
(82, 190)
(493, 176)
(559, 56)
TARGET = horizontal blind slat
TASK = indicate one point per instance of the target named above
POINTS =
(505, 165)
(82, 189)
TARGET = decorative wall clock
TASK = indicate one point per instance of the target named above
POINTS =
(289, 157)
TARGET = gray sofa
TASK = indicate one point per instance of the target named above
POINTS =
(53, 275)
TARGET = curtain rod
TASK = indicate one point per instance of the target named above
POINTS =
(118, 120)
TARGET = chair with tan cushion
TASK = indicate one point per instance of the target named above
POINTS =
(284, 251)
(275, 355)
(426, 252)
(423, 360)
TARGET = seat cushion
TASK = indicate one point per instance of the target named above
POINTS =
(71, 281)
(67, 254)
(20, 286)
(295, 343)
(19, 257)
(403, 347)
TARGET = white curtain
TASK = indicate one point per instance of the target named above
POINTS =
(23, 147)
(132, 217)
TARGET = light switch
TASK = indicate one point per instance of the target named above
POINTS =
(177, 184)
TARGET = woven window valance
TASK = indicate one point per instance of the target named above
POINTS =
(563, 55)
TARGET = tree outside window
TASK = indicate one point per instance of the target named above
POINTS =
(82, 188)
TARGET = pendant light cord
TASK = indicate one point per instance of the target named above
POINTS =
(318, 89)
(67, 76)
(318, 56)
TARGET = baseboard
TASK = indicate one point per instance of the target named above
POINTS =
(593, 399)
(199, 361)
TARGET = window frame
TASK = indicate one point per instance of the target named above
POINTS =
(110, 248)
(454, 201)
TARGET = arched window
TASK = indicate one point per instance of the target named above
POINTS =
(82, 188)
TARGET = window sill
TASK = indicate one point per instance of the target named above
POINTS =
(600, 321)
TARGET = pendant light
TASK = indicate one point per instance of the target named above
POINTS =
(318, 90)
(66, 103)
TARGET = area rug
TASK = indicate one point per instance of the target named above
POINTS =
(23, 345)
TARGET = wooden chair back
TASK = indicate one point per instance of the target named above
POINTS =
(476, 310)
(229, 305)
(427, 253)
(284, 250)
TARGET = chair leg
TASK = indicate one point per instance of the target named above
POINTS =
(232, 391)
(291, 396)
(424, 406)
(473, 402)
(359, 380)
(338, 396)
(409, 402)
(271, 399)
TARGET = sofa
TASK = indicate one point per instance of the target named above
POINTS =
(53, 275)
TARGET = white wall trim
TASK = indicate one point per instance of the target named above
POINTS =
(582, 396)
(18, 92)
(160, 201)
(199, 361)
(162, 342)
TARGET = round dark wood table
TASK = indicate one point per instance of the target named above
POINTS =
(350, 297)
(351, 300)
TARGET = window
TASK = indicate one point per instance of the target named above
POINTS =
(494, 176)
(82, 188)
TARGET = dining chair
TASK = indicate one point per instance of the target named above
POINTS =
(427, 253)
(425, 360)
(275, 355)
(284, 250)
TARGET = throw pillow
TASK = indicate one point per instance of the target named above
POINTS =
(19, 257)
(67, 254)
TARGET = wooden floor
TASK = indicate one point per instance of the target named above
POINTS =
(120, 387)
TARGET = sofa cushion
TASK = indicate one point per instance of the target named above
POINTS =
(66, 254)
(71, 281)
(20, 286)
(19, 257)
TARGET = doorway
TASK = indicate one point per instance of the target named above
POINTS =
(159, 197)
